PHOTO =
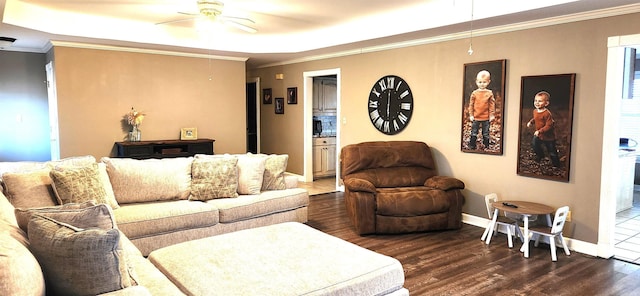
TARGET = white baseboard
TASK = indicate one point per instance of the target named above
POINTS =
(573, 244)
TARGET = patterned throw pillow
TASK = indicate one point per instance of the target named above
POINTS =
(214, 177)
(80, 184)
(250, 173)
(77, 261)
(274, 169)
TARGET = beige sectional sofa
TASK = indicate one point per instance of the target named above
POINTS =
(115, 212)
(152, 201)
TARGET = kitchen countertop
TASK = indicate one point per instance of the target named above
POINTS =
(627, 152)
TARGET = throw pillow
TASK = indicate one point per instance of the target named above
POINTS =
(24, 215)
(274, 168)
(250, 173)
(78, 261)
(145, 180)
(18, 166)
(29, 189)
(215, 177)
(79, 184)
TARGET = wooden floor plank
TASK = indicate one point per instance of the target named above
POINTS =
(457, 262)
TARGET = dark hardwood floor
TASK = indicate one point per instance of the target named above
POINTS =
(458, 263)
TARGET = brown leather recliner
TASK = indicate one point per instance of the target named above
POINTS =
(393, 187)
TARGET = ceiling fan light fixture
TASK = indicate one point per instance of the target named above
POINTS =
(210, 8)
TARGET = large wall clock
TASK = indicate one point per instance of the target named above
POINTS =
(390, 104)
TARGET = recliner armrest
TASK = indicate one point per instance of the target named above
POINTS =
(355, 184)
(444, 183)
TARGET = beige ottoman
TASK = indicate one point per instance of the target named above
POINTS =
(281, 259)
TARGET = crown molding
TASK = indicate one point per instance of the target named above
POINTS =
(565, 19)
(142, 50)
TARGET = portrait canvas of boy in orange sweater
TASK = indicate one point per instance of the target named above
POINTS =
(483, 99)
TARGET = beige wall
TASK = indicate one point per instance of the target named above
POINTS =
(96, 88)
(434, 72)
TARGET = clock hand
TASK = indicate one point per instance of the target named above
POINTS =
(388, 102)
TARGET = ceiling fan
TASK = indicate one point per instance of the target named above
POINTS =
(211, 10)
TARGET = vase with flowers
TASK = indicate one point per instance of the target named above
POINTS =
(134, 118)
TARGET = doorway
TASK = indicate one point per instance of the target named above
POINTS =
(308, 123)
(253, 116)
(611, 184)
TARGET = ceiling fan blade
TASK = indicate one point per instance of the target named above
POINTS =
(240, 26)
(176, 21)
(236, 18)
(189, 13)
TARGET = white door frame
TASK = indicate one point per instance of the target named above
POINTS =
(308, 121)
(52, 98)
(609, 184)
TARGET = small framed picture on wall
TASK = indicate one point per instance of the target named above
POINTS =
(279, 106)
(292, 95)
(266, 96)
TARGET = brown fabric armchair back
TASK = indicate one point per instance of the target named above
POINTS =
(393, 187)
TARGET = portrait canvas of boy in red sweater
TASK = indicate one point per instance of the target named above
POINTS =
(546, 120)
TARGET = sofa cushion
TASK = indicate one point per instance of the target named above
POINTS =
(444, 183)
(23, 215)
(80, 184)
(274, 168)
(136, 180)
(20, 272)
(7, 211)
(268, 202)
(147, 275)
(416, 201)
(250, 173)
(29, 189)
(146, 219)
(214, 177)
(78, 261)
(72, 161)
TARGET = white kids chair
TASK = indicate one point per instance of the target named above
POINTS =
(554, 232)
(500, 220)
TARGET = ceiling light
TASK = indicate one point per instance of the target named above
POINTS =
(6, 42)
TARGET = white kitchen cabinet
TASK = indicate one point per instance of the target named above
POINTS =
(624, 200)
(325, 94)
(324, 157)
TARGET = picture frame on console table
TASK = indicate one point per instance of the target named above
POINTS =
(483, 109)
(189, 133)
(545, 131)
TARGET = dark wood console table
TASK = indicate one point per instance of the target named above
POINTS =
(164, 148)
